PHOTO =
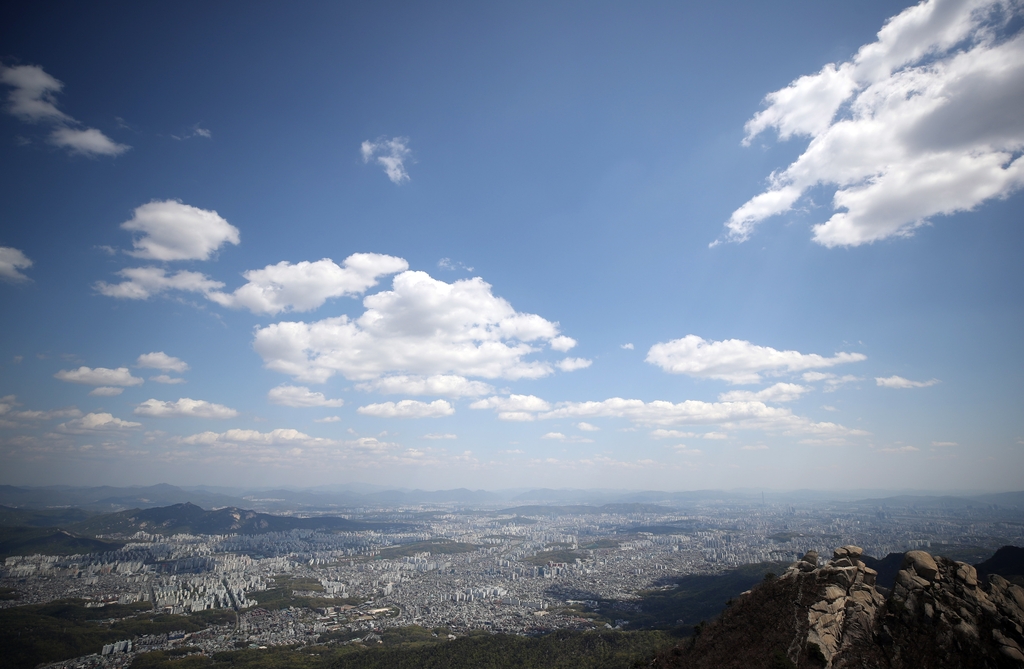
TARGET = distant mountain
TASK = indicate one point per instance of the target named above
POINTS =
(583, 509)
(41, 517)
(1007, 562)
(49, 541)
(110, 498)
(191, 519)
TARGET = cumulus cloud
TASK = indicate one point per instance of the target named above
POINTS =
(162, 361)
(408, 409)
(12, 260)
(285, 286)
(572, 364)
(306, 285)
(587, 427)
(185, 406)
(328, 419)
(299, 396)
(900, 382)
(106, 391)
(434, 436)
(421, 326)
(735, 360)
(627, 347)
(33, 99)
(164, 378)
(447, 385)
(143, 282)
(780, 392)
(390, 154)
(96, 422)
(100, 376)
(280, 436)
(563, 344)
(513, 407)
(922, 122)
(171, 230)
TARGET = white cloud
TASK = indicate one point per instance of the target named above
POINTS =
(11, 260)
(88, 142)
(780, 392)
(328, 419)
(587, 427)
(900, 382)
(162, 361)
(627, 347)
(185, 406)
(828, 407)
(422, 326)
(447, 385)
(96, 422)
(306, 285)
(34, 100)
(569, 440)
(572, 364)
(922, 122)
(513, 407)
(171, 230)
(832, 381)
(563, 344)
(735, 360)
(100, 376)
(754, 447)
(280, 436)
(899, 449)
(8, 410)
(299, 396)
(106, 391)
(164, 378)
(390, 154)
(408, 409)
(683, 449)
(446, 435)
(942, 444)
(747, 415)
(144, 282)
(34, 97)
(662, 433)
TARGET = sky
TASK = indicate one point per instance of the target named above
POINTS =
(654, 245)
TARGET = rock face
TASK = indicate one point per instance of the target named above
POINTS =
(939, 614)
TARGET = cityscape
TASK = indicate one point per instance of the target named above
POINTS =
(523, 570)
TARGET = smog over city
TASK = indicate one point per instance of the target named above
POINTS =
(512, 335)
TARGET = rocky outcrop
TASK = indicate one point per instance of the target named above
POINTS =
(834, 615)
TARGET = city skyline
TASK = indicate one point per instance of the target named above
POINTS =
(581, 246)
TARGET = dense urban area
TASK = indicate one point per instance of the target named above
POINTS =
(458, 569)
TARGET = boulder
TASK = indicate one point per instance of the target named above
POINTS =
(923, 564)
(810, 557)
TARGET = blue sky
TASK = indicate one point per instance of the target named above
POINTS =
(508, 245)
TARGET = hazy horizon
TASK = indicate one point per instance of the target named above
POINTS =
(522, 245)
